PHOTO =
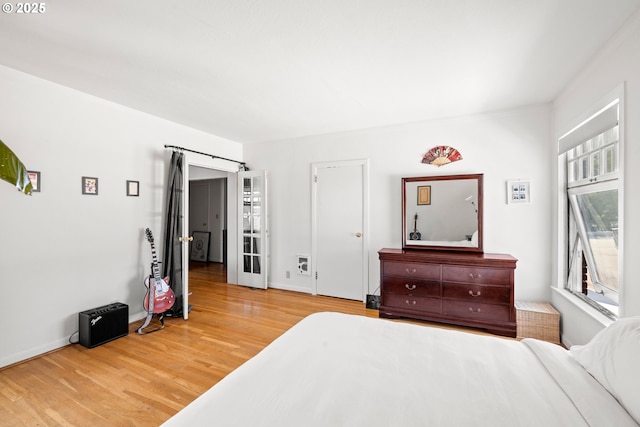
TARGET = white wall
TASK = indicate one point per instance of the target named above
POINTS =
(618, 62)
(506, 145)
(64, 252)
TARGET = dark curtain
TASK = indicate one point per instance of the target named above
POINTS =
(172, 254)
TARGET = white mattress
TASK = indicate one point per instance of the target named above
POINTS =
(342, 370)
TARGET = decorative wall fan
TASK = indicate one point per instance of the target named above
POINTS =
(441, 155)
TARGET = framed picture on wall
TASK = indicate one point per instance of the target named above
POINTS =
(34, 177)
(90, 185)
(518, 192)
(424, 195)
(200, 246)
(133, 188)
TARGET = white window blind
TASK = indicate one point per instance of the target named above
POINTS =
(601, 121)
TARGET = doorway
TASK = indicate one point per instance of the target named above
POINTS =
(208, 217)
(199, 168)
(340, 229)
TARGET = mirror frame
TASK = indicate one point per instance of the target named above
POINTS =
(430, 179)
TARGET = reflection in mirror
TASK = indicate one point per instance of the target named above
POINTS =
(443, 212)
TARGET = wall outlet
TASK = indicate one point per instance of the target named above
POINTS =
(287, 274)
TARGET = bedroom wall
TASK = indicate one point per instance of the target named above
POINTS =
(617, 62)
(505, 145)
(64, 252)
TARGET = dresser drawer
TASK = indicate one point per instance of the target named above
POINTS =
(412, 270)
(412, 302)
(476, 275)
(477, 293)
(409, 286)
(472, 310)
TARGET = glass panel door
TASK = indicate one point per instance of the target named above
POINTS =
(252, 245)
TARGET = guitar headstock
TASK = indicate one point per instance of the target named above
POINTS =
(149, 235)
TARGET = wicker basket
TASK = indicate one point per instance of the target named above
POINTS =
(537, 320)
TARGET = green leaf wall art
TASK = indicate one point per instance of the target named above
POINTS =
(13, 171)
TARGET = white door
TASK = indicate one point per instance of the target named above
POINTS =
(339, 229)
(253, 234)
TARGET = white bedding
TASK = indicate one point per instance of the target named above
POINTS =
(342, 370)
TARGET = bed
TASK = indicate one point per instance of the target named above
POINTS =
(334, 369)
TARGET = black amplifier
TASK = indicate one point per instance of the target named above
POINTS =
(103, 324)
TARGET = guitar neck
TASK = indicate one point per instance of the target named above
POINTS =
(154, 268)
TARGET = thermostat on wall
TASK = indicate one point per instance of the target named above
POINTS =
(304, 265)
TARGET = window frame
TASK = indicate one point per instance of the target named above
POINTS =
(575, 136)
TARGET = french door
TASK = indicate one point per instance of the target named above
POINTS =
(253, 234)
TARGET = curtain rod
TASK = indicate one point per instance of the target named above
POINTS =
(205, 154)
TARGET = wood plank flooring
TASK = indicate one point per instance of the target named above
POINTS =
(142, 380)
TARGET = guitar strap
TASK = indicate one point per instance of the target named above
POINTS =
(148, 320)
(151, 292)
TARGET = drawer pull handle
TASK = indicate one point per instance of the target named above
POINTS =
(472, 310)
(477, 294)
(410, 302)
(475, 276)
(410, 287)
(412, 271)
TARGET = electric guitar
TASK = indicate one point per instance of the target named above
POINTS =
(415, 234)
(160, 296)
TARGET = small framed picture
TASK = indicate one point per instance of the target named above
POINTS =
(200, 246)
(89, 185)
(424, 195)
(518, 192)
(133, 188)
(34, 177)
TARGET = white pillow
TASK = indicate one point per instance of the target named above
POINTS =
(612, 357)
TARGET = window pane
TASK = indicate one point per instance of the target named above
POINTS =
(599, 213)
(247, 264)
(256, 245)
(595, 164)
(611, 159)
(584, 167)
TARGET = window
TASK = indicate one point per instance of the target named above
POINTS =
(591, 158)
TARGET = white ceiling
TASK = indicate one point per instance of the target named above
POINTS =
(259, 70)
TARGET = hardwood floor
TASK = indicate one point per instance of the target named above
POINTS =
(142, 380)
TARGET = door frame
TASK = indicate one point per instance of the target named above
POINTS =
(364, 163)
(207, 162)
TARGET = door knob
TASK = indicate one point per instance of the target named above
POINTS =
(358, 234)
(185, 239)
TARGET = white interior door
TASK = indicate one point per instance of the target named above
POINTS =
(339, 231)
(253, 259)
(185, 238)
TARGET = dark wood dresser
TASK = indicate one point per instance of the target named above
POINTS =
(460, 288)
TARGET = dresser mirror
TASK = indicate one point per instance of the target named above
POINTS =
(442, 212)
